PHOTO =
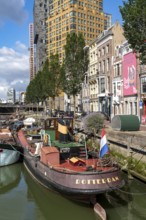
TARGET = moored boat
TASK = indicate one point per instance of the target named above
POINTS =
(9, 151)
(56, 161)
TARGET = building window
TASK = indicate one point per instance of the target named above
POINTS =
(143, 85)
(107, 49)
(108, 64)
(73, 26)
(102, 85)
(100, 66)
(103, 51)
(114, 89)
(118, 70)
(104, 66)
(99, 53)
(72, 20)
(73, 13)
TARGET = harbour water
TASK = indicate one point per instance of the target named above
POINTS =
(22, 198)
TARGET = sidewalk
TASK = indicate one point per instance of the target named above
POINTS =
(142, 127)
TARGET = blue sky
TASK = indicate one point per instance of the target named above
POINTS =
(15, 16)
(112, 7)
(14, 26)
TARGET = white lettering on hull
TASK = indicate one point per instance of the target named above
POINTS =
(97, 181)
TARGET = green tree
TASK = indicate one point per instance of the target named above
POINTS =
(134, 24)
(93, 122)
(47, 83)
(55, 77)
(39, 94)
(75, 64)
(31, 92)
(35, 92)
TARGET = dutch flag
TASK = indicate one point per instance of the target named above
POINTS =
(103, 144)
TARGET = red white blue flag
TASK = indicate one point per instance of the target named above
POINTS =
(103, 144)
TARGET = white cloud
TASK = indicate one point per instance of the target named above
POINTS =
(14, 68)
(12, 10)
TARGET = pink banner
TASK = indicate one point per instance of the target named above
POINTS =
(143, 119)
(129, 74)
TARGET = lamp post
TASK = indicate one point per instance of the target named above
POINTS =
(84, 85)
(110, 104)
(140, 95)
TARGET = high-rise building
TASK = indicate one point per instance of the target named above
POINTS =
(53, 20)
(22, 96)
(40, 16)
(31, 51)
(11, 95)
(107, 21)
(66, 16)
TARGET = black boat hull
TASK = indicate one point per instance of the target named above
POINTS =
(78, 184)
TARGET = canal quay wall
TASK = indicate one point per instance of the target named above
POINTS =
(129, 143)
(129, 149)
(124, 142)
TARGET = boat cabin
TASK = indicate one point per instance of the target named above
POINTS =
(58, 133)
(50, 155)
(59, 128)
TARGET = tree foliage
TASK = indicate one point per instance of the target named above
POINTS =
(75, 63)
(47, 82)
(93, 122)
(56, 77)
(134, 24)
(34, 90)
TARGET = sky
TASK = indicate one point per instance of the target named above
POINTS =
(15, 16)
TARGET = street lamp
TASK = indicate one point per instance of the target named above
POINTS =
(84, 84)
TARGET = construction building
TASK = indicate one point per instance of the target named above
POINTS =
(40, 15)
(31, 52)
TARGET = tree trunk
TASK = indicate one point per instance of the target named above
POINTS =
(74, 104)
(53, 98)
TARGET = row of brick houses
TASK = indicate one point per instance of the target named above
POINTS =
(115, 82)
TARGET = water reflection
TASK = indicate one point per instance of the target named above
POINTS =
(53, 206)
(21, 198)
(126, 204)
(10, 197)
(9, 177)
